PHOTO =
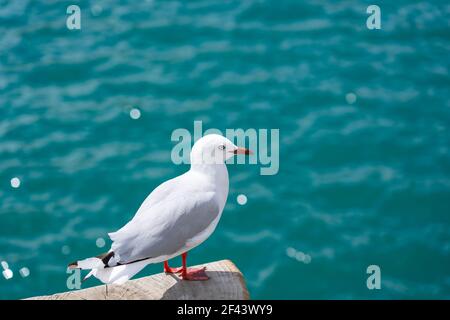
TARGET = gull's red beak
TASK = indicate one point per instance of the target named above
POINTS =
(242, 151)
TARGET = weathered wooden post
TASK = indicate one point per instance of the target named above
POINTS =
(226, 283)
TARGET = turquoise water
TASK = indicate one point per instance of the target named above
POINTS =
(360, 182)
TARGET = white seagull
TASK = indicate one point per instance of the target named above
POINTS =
(177, 216)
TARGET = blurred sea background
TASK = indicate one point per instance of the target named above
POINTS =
(363, 115)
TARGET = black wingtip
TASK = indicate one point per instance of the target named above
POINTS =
(73, 265)
(105, 257)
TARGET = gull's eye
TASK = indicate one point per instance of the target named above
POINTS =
(222, 147)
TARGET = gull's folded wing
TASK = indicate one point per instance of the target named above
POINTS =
(165, 227)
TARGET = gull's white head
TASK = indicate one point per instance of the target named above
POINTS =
(214, 149)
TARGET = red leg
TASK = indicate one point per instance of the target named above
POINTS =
(168, 269)
(193, 274)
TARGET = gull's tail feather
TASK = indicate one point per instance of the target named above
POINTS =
(105, 268)
(103, 260)
(86, 264)
(118, 274)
